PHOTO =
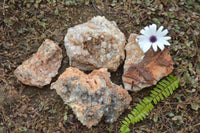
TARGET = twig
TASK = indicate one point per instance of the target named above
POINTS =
(4, 7)
(97, 9)
(198, 124)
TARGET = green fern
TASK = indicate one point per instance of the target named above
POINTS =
(162, 90)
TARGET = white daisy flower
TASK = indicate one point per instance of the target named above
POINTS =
(153, 37)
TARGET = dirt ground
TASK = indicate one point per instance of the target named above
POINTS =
(24, 25)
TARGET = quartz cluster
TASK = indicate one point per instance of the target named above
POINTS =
(95, 44)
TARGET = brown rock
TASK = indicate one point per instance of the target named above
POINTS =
(42, 66)
(91, 96)
(141, 70)
(95, 44)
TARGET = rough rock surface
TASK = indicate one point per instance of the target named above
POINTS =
(143, 70)
(95, 44)
(42, 66)
(92, 96)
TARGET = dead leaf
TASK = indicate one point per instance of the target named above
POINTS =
(190, 91)
(178, 118)
(194, 106)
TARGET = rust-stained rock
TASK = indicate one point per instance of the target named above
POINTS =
(95, 44)
(134, 54)
(91, 96)
(42, 66)
(141, 70)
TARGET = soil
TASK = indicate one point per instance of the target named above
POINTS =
(30, 109)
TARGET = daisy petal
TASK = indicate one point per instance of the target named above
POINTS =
(141, 37)
(153, 28)
(154, 47)
(142, 31)
(164, 32)
(166, 38)
(143, 43)
(146, 48)
(161, 46)
(146, 28)
(146, 32)
(140, 44)
(143, 47)
(160, 29)
(164, 42)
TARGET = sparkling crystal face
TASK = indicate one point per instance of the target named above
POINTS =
(153, 39)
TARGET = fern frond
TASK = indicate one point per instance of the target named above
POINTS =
(139, 113)
(124, 129)
(162, 90)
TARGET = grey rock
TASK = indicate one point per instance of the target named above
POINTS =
(91, 96)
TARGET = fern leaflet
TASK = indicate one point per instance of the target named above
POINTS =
(162, 90)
